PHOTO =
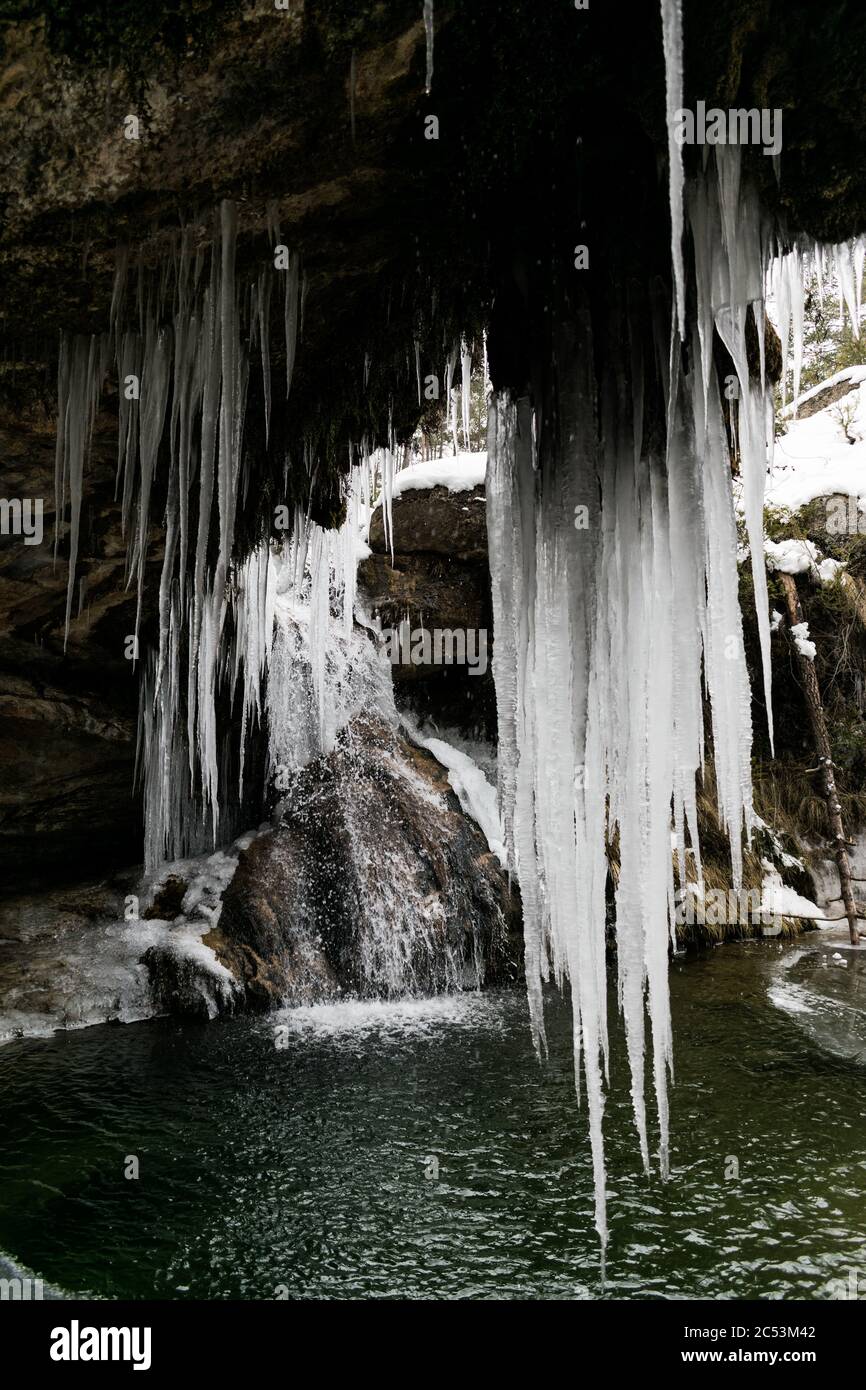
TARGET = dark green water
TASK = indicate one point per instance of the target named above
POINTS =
(306, 1166)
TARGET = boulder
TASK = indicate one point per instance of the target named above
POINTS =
(373, 883)
(436, 521)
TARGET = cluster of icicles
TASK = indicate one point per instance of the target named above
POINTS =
(182, 340)
(182, 369)
(607, 632)
(615, 606)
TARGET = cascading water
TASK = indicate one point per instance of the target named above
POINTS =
(337, 753)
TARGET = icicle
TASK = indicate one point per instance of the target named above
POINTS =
(428, 31)
(254, 611)
(347, 544)
(849, 284)
(118, 291)
(672, 28)
(129, 369)
(201, 365)
(465, 390)
(510, 519)
(263, 313)
(729, 265)
(859, 258)
(797, 316)
(387, 456)
(786, 277)
(615, 595)
(81, 372)
(63, 406)
(450, 400)
(320, 572)
(293, 296)
(152, 407)
(291, 314)
(782, 295)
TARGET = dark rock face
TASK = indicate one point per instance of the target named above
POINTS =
(321, 108)
(435, 521)
(438, 578)
(374, 883)
(67, 711)
(66, 802)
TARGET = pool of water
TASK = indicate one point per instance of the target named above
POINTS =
(419, 1150)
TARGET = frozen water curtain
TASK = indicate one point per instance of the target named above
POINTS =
(181, 339)
(613, 551)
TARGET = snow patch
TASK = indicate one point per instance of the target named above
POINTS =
(778, 900)
(791, 556)
(800, 634)
(476, 795)
(458, 474)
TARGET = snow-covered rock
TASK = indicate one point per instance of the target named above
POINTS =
(459, 473)
(815, 456)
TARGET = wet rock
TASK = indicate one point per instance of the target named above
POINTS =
(374, 883)
(168, 899)
(435, 521)
(187, 981)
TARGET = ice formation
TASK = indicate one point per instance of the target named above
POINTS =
(322, 668)
(465, 389)
(82, 366)
(182, 339)
(615, 591)
(477, 795)
(614, 569)
(328, 674)
(672, 38)
(789, 272)
(428, 34)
